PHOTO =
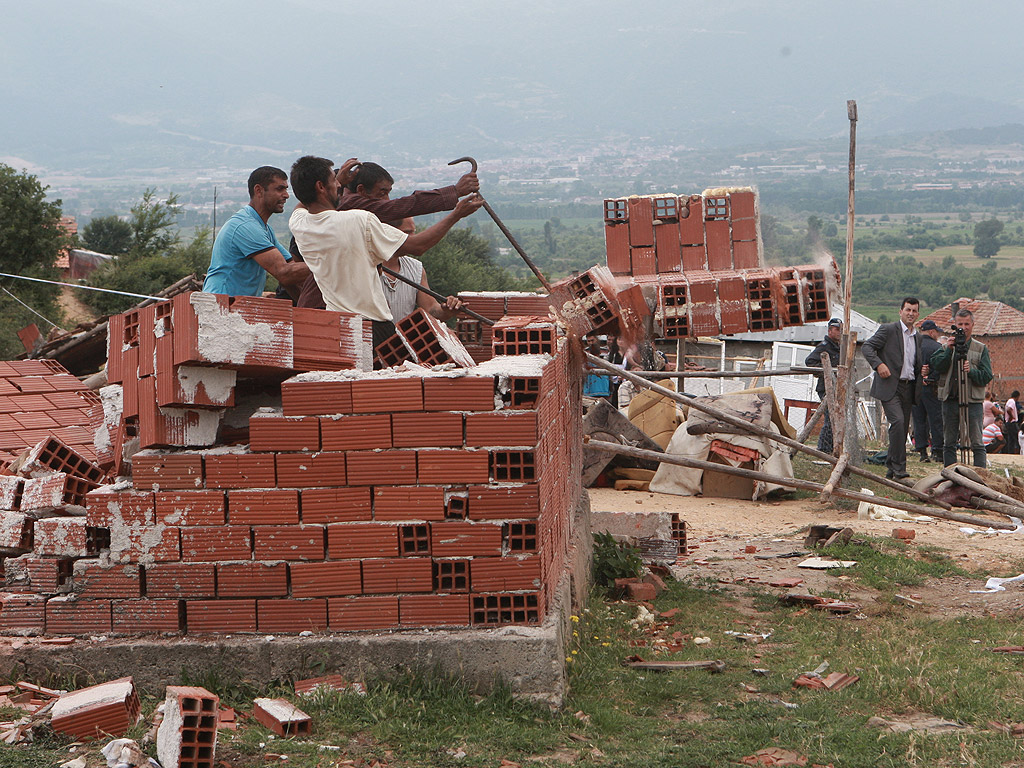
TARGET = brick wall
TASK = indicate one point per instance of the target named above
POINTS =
(359, 500)
(1007, 372)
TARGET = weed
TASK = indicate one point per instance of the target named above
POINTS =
(614, 560)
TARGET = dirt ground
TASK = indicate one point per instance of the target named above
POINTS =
(719, 531)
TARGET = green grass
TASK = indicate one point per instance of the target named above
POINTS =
(617, 716)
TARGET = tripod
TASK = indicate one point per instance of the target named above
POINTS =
(962, 392)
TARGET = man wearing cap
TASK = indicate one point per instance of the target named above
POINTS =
(928, 410)
(894, 352)
(828, 346)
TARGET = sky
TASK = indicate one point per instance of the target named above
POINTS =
(157, 83)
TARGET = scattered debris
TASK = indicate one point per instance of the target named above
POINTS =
(996, 584)
(823, 564)
(715, 665)
(107, 709)
(749, 637)
(282, 717)
(924, 723)
(187, 736)
(826, 536)
(904, 534)
(1013, 729)
(905, 600)
(786, 583)
(774, 756)
(1016, 650)
(125, 753)
(328, 682)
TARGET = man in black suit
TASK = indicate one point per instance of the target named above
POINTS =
(894, 352)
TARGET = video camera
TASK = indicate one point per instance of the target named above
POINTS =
(959, 337)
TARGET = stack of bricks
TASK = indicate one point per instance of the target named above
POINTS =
(664, 234)
(362, 500)
(710, 303)
(39, 398)
(173, 366)
(698, 260)
(478, 337)
(423, 339)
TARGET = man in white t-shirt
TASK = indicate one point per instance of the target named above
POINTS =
(343, 248)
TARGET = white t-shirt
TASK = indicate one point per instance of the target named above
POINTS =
(342, 250)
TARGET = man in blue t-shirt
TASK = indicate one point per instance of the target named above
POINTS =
(246, 248)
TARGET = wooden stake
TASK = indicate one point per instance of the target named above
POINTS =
(851, 113)
(980, 488)
(792, 482)
(805, 430)
(729, 418)
(835, 478)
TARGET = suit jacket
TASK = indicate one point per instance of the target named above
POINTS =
(886, 346)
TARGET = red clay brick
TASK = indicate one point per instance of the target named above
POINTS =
(284, 433)
(504, 502)
(316, 398)
(351, 614)
(240, 470)
(434, 610)
(464, 393)
(501, 429)
(25, 614)
(291, 616)
(66, 616)
(408, 502)
(214, 543)
(353, 433)
(103, 508)
(387, 395)
(190, 508)
(505, 574)
(288, 542)
(398, 575)
(427, 430)
(145, 544)
(180, 580)
(347, 541)
(270, 506)
(464, 539)
(444, 467)
(335, 505)
(311, 470)
(131, 616)
(325, 579)
(252, 580)
(371, 467)
(93, 581)
(221, 616)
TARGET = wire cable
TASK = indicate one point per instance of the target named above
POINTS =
(75, 285)
(26, 306)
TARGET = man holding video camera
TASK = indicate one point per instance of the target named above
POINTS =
(964, 369)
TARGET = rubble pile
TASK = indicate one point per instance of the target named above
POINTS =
(255, 495)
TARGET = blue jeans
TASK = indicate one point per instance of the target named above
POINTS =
(951, 431)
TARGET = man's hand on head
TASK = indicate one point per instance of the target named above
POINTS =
(467, 185)
(347, 173)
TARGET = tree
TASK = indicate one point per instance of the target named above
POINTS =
(108, 234)
(986, 238)
(463, 261)
(151, 223)
(30, 240)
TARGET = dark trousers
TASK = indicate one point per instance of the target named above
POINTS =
(897, 413)
(951, 431)
(928, 422)
(1012, 432)
(825, 435)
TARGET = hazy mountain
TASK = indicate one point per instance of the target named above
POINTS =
(116, 84)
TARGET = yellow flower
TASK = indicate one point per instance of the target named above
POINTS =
(575, 619)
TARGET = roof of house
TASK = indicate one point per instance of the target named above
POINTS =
(991, 318)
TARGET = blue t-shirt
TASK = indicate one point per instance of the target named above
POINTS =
(233, 271)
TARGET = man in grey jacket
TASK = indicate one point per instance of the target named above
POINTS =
(894, 352)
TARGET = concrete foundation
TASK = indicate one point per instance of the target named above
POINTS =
(531, 660)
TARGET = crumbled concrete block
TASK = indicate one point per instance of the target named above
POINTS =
(187, 737)
(281, 716)
(107, 709)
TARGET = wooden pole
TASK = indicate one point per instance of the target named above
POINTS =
(995, 506)
(805, 430)
(851, 113)
(792, 482)
(835, 478)
(980, 488)
(729, 418)
(756, 374)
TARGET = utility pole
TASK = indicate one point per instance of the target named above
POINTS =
(215, 211)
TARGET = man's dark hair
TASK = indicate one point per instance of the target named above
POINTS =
(1015, 394)
(263, 176)
(906, 299)
(306, 172)
(368, 175)
(965, 313)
